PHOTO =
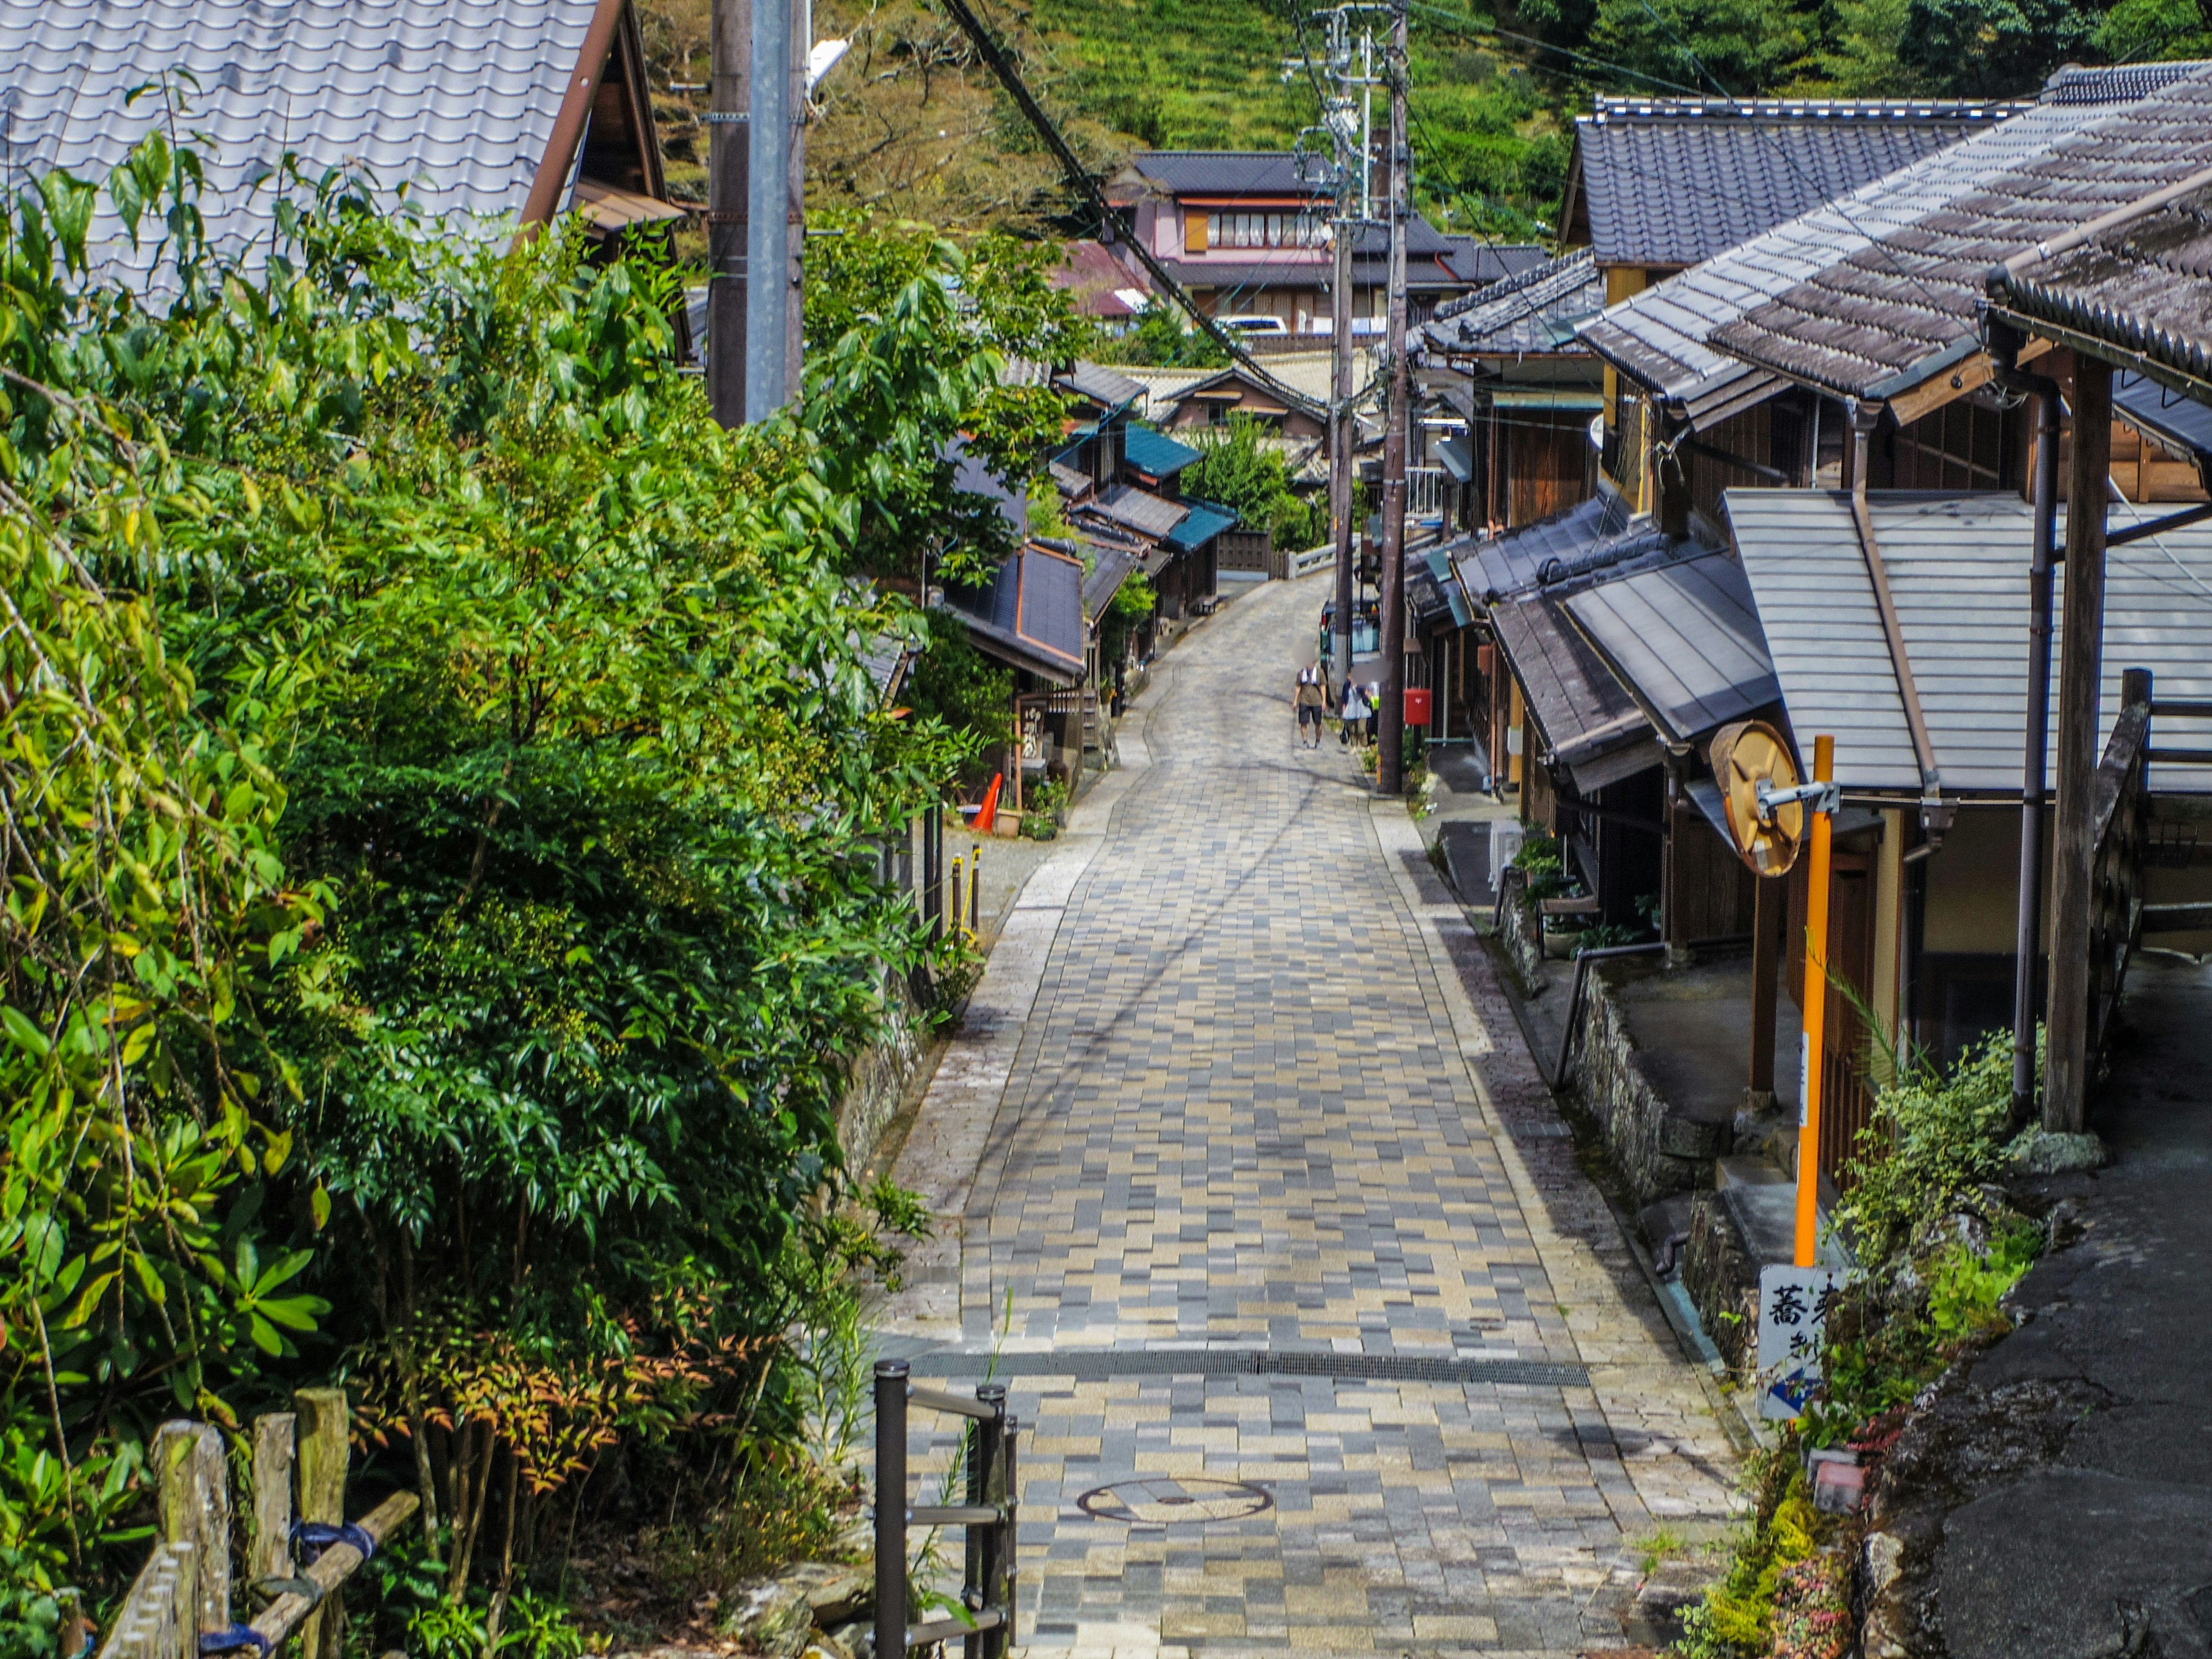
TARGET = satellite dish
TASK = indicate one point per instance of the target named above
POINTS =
(1747, 756)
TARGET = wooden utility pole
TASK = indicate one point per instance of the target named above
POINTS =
(728, 154)
(2080, 668)
(1390, 769)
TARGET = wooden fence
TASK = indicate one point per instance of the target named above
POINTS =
(180, 1605)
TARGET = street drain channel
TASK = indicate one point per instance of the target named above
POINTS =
(1098, 1364)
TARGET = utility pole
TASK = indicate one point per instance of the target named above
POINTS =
(1390, 769)
(728, 132)
(775, 241)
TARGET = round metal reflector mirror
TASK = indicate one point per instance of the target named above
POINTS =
(1745, 755)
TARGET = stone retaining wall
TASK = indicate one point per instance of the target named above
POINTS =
(880, 1075)
(1521, 930)
(1657, 1150)
(1722, 1281)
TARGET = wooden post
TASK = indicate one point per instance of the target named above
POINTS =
(2080, 667)
(1816, 1017)
(324, 1426)
(195, 1510)
(273, 1455)
(1769, 917)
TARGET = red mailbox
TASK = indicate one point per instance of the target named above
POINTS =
(1417, 705)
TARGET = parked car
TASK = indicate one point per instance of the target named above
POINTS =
(1254, 324)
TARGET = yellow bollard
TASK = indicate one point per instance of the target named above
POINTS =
(1816, 1016)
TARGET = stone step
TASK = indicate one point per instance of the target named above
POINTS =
(1765, 1212)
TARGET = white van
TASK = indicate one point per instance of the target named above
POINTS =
(1254, 324)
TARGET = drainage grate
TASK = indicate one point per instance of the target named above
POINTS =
(1097, 1364)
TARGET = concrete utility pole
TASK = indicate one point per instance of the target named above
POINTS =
(776, 243)
(728, 148)
(1390, 769)
(1341, 425)
(756, 206)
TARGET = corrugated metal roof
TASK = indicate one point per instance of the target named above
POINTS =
(1477, 259)
(1958, 572)
(2142, 290)
(1590, 725)
(1102, 385)
(1139, 510)
(2166, 415)
(1901, 301)
(1685, 639)
(1533, 313)
(1110, 568)
(1031, 616)
(454, 98)
(1157, 454)
(2065, 161)
(1672, 181)
(1204, 522)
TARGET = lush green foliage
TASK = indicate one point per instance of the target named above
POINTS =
(1238, 468)
(1933, 1136)
(1736, 1619)
(1163, 338)
(440, 765)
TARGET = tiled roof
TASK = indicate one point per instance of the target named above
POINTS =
(1477, 259)
(454, 98)
(1587, 541)
(1100, 384)
(1670, 181)
(1226, 173)
(1886, 314)
(1958, 575)
(1590, 724)
(1532, 314)
(1850, 319)
(2140, 292)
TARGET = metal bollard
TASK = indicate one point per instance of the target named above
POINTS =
(959, 892)
(890, 1508)
(975, 892)
(1009, 1565)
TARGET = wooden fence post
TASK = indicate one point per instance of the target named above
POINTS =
(273, 1440)
(195, 1510)
(324, 1428)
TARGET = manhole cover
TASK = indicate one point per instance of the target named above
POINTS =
(1165, 1499)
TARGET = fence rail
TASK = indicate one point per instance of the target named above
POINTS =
(179, 1605)
(986, 1626)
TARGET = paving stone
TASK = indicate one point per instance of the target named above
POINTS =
(1265, 1093)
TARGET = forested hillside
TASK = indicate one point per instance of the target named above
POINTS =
(913, 125)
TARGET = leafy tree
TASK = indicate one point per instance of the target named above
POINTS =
(1240, 470)
(1992, 48)
(1163, 338)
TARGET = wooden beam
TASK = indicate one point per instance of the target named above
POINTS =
(195, 1490)
(2081, 664)
(273, 1444)
(326, 1425)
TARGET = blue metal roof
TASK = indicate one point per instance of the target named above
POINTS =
(1156, 453)
(1204, 523)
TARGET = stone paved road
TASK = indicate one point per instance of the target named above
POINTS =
(1267, 1098)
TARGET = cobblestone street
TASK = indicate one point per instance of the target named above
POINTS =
(1240, 1079)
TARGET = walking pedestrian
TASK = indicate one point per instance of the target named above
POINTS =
(1311, 698)
(1374, 700)
(1354, 713)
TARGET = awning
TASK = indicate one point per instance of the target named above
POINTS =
(1685, 639)
(1031, 616)
(610, 211)
(1447, 580)
(1575, 400)
(1457, 457)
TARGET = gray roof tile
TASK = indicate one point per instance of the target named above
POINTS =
(1851, 314)
(1673, 181)
(1530, 314)
(454, 99)
(1685, 639)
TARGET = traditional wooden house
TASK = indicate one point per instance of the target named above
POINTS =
(1247, 233)
(490, 115)
(1532, 389)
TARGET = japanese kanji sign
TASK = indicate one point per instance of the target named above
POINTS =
(1793, 1316)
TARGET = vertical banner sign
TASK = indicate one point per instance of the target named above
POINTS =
(1794, 1303)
